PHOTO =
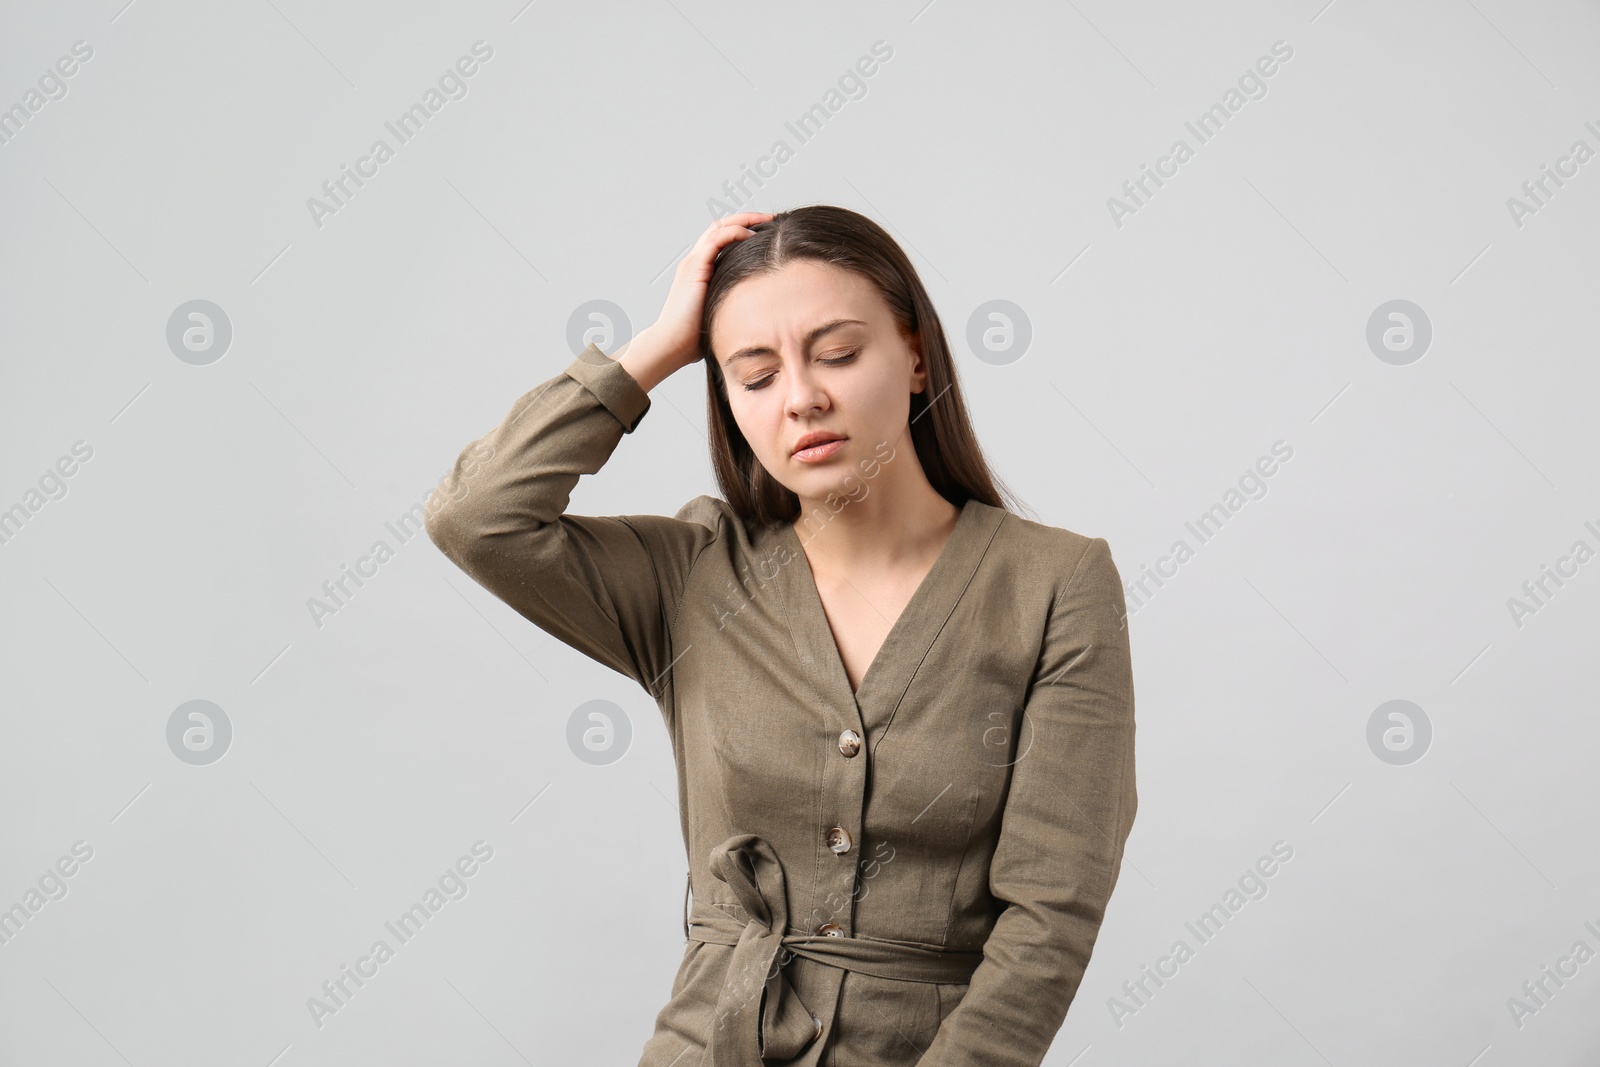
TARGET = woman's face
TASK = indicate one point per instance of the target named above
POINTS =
(813, 348)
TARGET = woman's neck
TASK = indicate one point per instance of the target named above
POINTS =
(889, 527)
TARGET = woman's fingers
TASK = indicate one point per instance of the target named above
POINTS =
(720, 233)
(742, 218)
(740, 222)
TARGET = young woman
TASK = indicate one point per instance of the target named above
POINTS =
(902, 715)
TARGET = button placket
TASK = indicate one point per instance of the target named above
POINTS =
(844, 785)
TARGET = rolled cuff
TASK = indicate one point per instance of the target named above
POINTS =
(612, 385)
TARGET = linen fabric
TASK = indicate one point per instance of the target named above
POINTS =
(985, 810)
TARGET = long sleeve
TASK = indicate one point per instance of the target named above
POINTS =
(1069, 809)
(607, 586)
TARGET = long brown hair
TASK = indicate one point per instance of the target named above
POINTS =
(941, 431)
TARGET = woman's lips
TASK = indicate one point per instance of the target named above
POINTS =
(819, 453)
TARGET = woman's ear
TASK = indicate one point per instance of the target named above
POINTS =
(919, 362)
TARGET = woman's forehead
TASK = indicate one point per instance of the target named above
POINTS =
(787, 304)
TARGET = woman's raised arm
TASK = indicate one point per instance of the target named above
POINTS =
(605, 585)
(608, 586)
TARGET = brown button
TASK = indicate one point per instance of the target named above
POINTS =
(839, 840)
(831, 930)
(819, 1025)
(849, 743)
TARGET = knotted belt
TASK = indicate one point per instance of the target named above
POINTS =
(759, 1014)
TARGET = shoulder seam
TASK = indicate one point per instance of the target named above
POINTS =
(716, 535)
(1076, 567)
(655, 576)
(1072, 579)
(677, 610)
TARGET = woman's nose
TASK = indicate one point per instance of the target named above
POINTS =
(805, 393)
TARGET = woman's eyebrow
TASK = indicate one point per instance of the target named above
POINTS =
(811, 339)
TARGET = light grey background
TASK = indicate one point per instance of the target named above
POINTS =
(1168, 354)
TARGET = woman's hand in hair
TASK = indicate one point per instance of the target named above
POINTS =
(672, 342)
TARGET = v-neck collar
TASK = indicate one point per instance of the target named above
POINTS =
(912, 634)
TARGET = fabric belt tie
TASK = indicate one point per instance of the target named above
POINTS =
(759, 1014)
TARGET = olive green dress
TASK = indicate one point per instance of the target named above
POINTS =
(913, 873)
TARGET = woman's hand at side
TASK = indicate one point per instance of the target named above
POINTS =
(672, 342)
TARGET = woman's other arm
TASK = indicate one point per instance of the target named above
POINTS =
(1068, 812)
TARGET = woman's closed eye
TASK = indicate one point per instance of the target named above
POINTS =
(833, 361)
